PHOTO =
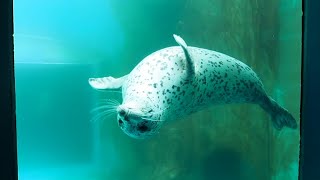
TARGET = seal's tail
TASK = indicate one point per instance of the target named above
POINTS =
(280, 116)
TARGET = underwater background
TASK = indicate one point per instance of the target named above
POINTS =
(59, 44)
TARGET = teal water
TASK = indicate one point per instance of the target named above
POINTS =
(60, 44)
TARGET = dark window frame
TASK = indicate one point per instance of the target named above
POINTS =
(8, 142)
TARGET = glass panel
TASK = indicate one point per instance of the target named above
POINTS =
(216, 121)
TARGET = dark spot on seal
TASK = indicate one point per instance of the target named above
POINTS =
(244, 83)
(164, 66)
(161, 83)
(251, 84)
(204, 80)
(155, 85)
(226, 87)
(209, 95)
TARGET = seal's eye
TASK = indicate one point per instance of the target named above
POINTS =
(122, 112)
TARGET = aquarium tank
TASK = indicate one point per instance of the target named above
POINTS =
(201, 114)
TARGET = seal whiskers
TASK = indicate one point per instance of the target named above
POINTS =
(107, 108)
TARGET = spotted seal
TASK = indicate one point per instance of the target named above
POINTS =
(176, 81)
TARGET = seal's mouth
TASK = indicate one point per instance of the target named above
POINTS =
(138, 122)
(143, 128)
(137, 127)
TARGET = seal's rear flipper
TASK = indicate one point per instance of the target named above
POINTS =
(107, 83)
(280, 116)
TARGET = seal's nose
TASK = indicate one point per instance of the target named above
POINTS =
(122, 112)
(120, 122)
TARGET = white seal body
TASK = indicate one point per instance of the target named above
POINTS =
(176, 81)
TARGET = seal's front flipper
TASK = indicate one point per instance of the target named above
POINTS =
(107, 83)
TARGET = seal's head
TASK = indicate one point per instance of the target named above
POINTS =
(138, 122)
